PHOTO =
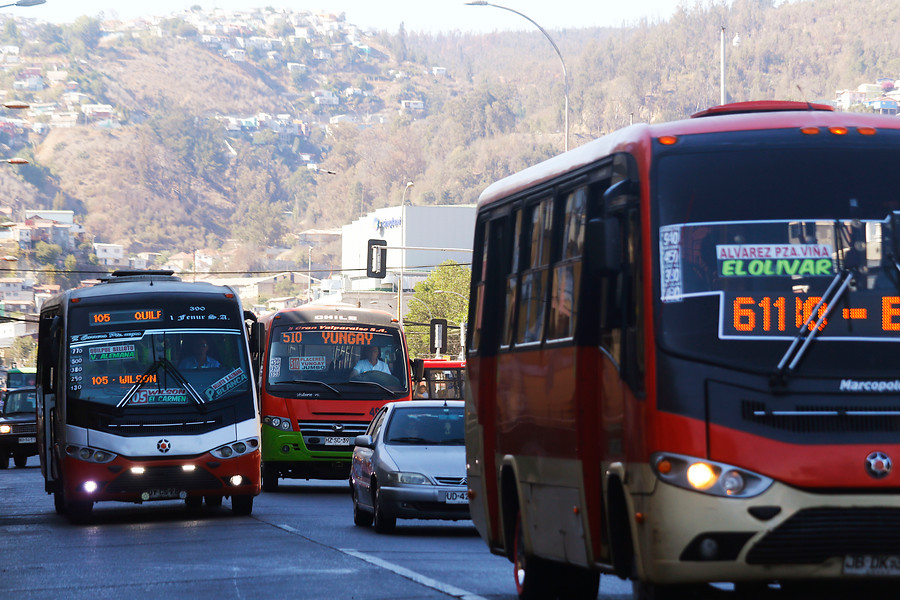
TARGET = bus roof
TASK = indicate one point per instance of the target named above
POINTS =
(333, 314)
(740, 116)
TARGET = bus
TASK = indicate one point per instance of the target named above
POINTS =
(144, 393)
(324, 371)
(684, 356)
(442, 379)
(17, 377)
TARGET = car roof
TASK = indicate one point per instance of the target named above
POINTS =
(427, 403)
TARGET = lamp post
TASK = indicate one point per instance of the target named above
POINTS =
(555, 48)
(24, 3)
(409, 184)
(462, 324)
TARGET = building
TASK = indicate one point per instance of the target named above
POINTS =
(430, 234)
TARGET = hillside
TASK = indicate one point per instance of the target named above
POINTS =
(205, 144)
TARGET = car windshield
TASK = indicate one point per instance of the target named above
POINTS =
(438, 425)
(337, 361)
(761, 247)
(19, 402)
(165, 358)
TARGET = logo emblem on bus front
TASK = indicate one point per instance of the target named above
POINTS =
(878, 465)
(163, 446)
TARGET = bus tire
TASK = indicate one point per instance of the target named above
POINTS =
(382, 522)
(213, 501)
(21, 460)
(242, 505)
(533, 576)
(580, 583)
(59, 503)
(270, 478)
(194, 504)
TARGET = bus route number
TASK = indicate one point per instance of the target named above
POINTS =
(292, 337)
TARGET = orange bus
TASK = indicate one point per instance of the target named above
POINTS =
(683, 356)
(325, 372)
(442, 379)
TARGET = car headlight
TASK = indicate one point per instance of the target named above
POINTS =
(5, 429)
(408, 478)
(235, 449)
(281, 423)
(707, 476)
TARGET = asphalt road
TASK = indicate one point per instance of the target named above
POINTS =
(299, 543)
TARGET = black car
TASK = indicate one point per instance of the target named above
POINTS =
(17, 427)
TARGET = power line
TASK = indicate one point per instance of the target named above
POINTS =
(195, 273)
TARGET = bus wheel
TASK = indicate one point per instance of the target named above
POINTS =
(79, 511)
(382, 522)
(270, 478)
(59, 503)
(242, 505)
(213, 501)
(533, 575)
(361, 518)
(20, 459)
(579, 583)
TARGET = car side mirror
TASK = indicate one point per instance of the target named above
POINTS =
(364, 441)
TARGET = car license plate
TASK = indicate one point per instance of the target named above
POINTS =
(872, 565)
(337, 441)
(27, 440)
(163, 494)
(457, 498)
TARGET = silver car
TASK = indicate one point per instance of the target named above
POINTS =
(410, 464)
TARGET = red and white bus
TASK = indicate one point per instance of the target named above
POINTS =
(442, 379)
(145, 392)
(683, 355)
(319, 387)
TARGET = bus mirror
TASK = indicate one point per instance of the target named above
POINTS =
(620, 194)
(605, 245)
(418, 367)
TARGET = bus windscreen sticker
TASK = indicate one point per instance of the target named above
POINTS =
(120, 352)
(160, 396)
(226, 384)
(670, 257)
(774, 260)
(307, 363)
(274, 367)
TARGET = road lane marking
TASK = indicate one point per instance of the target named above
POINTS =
(444, 588)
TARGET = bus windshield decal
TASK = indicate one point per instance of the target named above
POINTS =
(774, 260)
(307, 363)
(120, 352)
(159, 396)
(225, 384)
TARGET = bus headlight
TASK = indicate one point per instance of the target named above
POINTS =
(88, 454)
(707, 476)
(280, 423)
(235, 449)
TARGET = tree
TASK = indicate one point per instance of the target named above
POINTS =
(47, 254)
(23, 351)
(445, 292)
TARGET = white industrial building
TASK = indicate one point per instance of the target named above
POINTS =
(429, 234)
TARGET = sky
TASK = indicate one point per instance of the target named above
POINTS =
(416, 15)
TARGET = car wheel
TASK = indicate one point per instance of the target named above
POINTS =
(361, 518)
(382, 522)
(270, 478)
(20, 459)
(242, 505)
(4, 459)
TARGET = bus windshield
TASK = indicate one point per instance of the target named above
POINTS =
(758, 248)
(149, 355)
(337, 361)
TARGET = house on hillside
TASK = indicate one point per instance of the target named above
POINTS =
(111, 255)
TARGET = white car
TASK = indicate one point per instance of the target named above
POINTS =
(410, 464)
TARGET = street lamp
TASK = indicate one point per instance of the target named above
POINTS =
(14, 161)
(462, 324)
(24, 3)
(422, 302)
(555, 48)
(409, 184)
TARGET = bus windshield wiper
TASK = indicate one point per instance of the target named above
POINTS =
(388, 390)
(301, 381)
(167, 367)
(808, 332)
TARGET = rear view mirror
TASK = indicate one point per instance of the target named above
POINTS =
(364, 441)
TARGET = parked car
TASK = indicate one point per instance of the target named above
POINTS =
(410, 464)
(17, 427)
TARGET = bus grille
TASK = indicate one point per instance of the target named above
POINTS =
(825, 419)
(166, 426)
(163, 477)
(814, 535)
(316, 432)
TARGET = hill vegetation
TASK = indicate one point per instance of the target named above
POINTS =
(171, 175)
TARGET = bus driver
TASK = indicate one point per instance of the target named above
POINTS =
(370, 362)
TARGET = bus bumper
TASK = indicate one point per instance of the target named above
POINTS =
(782, 534)
(128, 480)
(288, 456)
